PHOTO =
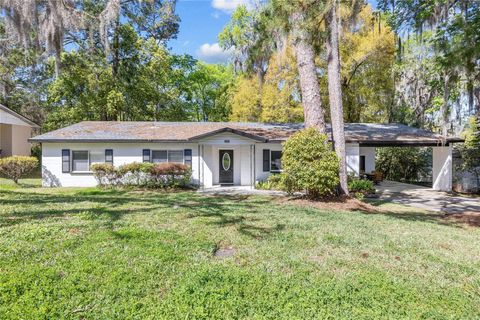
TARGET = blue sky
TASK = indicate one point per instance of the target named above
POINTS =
(202, 20)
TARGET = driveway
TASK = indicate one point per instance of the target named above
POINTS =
(426, 198)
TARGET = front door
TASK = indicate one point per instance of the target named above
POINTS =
(226, 166)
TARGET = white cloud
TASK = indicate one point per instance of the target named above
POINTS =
(212, 53)
(230, 5)
(216, 14)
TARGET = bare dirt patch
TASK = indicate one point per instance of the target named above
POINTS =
(334, 204)
(223, 253)
(470, 218)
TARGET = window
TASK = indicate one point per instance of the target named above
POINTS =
(80, 161)
(226, 161)
(175, 156)
(187, 156)
(146, 155)
(266, 160)
(275, 162)
(65, 160)
(168, 156)
(159, 156)
(109, 156)
(272, 160)
(362, 163)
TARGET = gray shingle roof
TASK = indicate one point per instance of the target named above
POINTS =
(99, 131)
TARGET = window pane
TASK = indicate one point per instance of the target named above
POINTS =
(65, 160)
(80, 160)
(65, 155)
(159, 156)
(276, 164)
(146, 155)
(226, 161)
(109, 156)
(175, 156)
(188, 157)
(266, 160)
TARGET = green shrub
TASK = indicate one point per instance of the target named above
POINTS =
(170, 175)
(277, 181)
(273, 182)
(135, 173)
(17, 167)
(356, 185)
(106, 174)
(135, 167)
(309, 164)
(158, 175)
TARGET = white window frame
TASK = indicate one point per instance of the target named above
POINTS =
(168, 155)
(274, 170)
(71, 162)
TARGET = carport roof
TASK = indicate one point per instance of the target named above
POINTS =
(367, 134)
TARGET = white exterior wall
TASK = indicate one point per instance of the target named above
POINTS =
(442, 168)
(122, 153)
(352, 151)
(369, 153)
(248, 159)
(14, 140)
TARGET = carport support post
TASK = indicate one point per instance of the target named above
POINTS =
(442, 168)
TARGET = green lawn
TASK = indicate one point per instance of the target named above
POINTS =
(100, 254)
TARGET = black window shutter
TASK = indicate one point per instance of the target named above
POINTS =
(146, 155)
(65, 160)
(109, 156)
(187, 157)
(266, 160)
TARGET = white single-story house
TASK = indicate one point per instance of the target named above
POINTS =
(15, 130)
(220, 153)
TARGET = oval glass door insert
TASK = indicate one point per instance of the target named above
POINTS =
(226, 161)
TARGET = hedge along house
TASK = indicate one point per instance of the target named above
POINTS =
(15, 130)
(219, 153)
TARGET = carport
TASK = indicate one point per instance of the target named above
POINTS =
(367, 138)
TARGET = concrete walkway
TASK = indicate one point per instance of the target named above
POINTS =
(239, 190)
(426, 198)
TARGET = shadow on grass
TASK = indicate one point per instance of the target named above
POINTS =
(413, 215)
(111, 205)
(373, 207)
(222, 211)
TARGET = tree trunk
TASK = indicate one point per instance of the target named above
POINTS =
(476, 93)
(444, 108)
(305, 55)
(261, 78)
(335, 95)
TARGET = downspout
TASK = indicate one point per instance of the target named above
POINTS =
(199, 166)
(203, 167)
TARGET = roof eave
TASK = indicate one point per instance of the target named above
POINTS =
(51, 140)
(24, 119)
(405, 143)
(230, 130)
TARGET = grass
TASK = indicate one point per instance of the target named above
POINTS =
(104, 254)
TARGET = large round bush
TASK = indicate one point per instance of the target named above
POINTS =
(310, 164)
(17, 167)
